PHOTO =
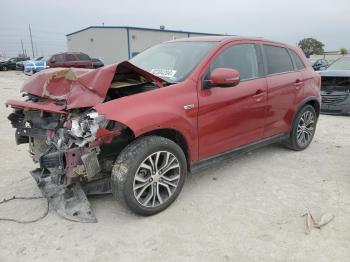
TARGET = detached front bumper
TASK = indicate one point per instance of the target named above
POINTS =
(336, 103)
(69, 202)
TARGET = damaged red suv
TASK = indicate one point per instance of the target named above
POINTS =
(137, 128)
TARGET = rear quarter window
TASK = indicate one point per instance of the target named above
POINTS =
(278, 60)
(297, 60)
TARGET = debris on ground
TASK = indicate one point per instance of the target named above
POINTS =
(312, 222)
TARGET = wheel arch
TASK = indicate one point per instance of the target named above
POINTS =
(173, 135)
(313, 101)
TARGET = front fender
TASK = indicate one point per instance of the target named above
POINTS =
(162, 108)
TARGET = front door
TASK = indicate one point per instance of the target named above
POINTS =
(234, 116)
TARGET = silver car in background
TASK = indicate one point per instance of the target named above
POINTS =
(335, 88)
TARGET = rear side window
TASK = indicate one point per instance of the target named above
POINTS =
(70, 57)
(278, 59)
(297, 61)
(242, 57)
(82, 56)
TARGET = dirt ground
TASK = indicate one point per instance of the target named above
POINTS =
(246, 209)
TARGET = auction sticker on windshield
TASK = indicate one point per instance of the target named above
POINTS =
(163, 72)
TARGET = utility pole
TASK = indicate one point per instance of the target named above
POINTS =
(22, 47)
(31, 39)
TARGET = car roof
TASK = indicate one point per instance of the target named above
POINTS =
(226, 39)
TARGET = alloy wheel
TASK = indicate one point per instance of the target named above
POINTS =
(306, 128)
(156, 179)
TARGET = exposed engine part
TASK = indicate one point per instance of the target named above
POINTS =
(84, 128)
(52, 160)
(37, 147)
(91, 164)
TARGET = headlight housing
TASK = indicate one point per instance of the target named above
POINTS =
(84, 127)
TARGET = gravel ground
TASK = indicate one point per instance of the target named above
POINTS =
(245, 209)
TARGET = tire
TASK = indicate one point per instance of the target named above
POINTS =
(301, 129)
(140, 187)
(4, 68)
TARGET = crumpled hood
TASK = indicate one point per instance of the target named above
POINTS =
(77, 87)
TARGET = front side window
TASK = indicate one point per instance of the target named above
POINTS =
(83, 57)
(278, 60)
(242, 58)
(172, 61)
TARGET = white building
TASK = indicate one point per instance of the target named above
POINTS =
(114, 44)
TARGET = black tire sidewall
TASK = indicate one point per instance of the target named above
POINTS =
(123, 181)
(293, 138)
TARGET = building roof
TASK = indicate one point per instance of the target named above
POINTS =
(141, 28)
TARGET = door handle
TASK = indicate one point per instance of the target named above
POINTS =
(298, 84)
(258, 95)
(188, 107)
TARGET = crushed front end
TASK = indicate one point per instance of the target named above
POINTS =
(73, 152)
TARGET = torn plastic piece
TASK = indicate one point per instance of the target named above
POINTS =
(69, 202)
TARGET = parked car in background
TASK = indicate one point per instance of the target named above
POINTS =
(335, 88)
(33, 66)
(135, 129)
(96, 63)
(10, 64)
(70, 59)
(21, 64)
(319, 64)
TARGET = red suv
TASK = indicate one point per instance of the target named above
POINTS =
(137, 128)
(70, 59)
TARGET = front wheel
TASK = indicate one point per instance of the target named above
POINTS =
(303, 129)
(4, 68)
(149, 174)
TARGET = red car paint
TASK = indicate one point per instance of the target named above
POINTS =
(70, 59)
(212, 121)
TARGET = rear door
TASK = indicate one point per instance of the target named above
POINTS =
(71, 60)
(234, 116)
(284, 86)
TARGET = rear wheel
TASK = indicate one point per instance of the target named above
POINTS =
(149, 174)
(303, 129)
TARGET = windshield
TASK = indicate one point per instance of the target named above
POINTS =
(172, 61)
(340, 64)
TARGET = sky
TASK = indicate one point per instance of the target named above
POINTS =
(281, 20)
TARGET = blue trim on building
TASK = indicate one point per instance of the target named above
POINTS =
(128, 37)
(141, 28)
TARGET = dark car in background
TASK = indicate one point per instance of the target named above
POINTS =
(10, 64)
(97, 63)
(70, 59)
(319, 64)
(335, 88)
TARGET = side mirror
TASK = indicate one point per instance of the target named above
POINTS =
(224, 77)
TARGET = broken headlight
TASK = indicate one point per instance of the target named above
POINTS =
(85, 127)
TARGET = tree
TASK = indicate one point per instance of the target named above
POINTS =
(311, 46)
(343, 51)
